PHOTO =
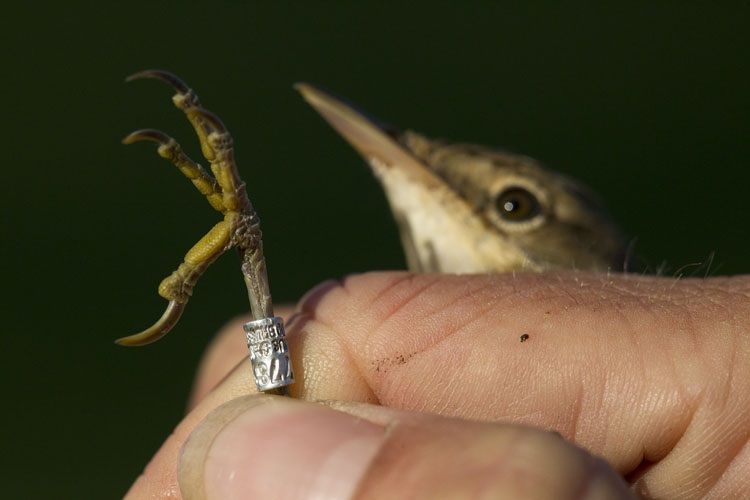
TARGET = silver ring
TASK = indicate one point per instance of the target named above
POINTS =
(269, 353)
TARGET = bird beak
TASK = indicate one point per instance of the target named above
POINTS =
(376, 142)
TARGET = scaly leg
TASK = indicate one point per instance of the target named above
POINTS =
(178, 286)
(226, 193)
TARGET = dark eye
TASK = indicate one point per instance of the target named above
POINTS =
(517, 204)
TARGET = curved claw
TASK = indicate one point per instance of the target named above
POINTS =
(157, 330)
(165, 76)
(211, 118)
(147, 134)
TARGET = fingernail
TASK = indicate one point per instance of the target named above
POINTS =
(312, 298)
(283, 448)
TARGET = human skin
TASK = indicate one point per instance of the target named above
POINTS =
(650, 374)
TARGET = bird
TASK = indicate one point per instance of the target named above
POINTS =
(460, 208)
(465, 208)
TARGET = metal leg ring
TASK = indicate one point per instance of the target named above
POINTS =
(269, 353)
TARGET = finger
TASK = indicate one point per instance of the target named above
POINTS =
(227, 349)
(271, 447)
(637, 370)
(651, 373)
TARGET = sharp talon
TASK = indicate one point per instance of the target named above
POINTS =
(157, 330)
(164, 76)
(147, 134)
(211, 118)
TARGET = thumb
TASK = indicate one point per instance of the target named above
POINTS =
(274, 447)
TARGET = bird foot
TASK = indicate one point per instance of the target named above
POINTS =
(225, 192)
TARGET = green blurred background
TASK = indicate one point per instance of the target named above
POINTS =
(647, 103)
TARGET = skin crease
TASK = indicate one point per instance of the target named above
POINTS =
(652, 374)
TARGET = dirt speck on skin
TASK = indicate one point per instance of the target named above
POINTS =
(524, 337)
(383, 364)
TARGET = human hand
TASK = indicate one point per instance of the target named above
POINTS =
(651, 374)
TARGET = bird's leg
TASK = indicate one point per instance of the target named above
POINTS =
(226, 193)
(216, 143)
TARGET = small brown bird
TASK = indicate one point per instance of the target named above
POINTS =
(462, 208)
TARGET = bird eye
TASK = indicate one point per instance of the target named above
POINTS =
(516, 204)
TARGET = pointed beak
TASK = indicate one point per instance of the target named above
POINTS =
(440, 230)
(376, 142)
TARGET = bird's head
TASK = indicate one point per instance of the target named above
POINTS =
(462, 208)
